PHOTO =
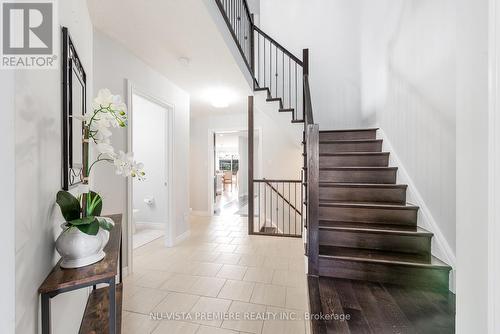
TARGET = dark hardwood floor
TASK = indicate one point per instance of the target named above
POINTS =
(380, 308)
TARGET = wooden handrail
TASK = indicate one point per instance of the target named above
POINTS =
(229, 24)
(271, 180)
(279, 46)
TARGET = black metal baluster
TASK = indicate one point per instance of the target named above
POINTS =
(276, 71)
(283, 77)
(271, 196)
(258, 58)
(295, 201)
(264, 61)
(270, 69)
(296, 105)
(265, 205)
(289, 85)
(260, 216)
(283, 205)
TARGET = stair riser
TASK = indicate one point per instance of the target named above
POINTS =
(359, 194)
(385, 273)
(381, 160)
(350, 147)
(358, 176)
(415, 244)
(348, 135)
(376, 215)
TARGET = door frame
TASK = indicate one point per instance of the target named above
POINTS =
(211, 159)
(494, 167)
(132, 89)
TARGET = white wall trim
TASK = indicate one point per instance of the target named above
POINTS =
(493, 170)
(200, 213)
(440, 247)
(151, 225)
(132, 89)
(182, 237)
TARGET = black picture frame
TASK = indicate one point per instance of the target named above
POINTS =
(73, 75)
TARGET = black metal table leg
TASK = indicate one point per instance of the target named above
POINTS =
(46, 325)
(112, 306)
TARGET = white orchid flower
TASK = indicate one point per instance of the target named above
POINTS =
(110, 111)
(104, 98)
(105, 148)
(125, 165)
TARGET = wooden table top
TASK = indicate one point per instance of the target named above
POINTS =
(60, 278)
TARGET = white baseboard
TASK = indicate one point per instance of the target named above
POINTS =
(440, 247)
(152, 226)
(200, 213)
(182, 237)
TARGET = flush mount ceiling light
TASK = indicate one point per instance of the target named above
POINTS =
(184, 61)
(219, 97)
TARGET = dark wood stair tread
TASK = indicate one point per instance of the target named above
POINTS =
(350, 154)
(347, 130)
(359, 168)
(349, 141)
(370, 205)
(373, 169)
(273, 99)
(362, 185)
(353, 154)
(379, 226)
(378, 256)
(373, 228)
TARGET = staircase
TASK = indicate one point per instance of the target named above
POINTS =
(358, 228)
(367, 231)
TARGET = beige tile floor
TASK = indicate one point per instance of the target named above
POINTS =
(218, 269)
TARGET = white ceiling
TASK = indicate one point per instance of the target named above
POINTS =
(227, 142)
(162, 31)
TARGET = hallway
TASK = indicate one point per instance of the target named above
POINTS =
(219, 268)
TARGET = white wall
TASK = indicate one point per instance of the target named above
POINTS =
(408, 90)
(149, 143)
(331, 31)
(243, 164)
(281, 156)
(38, 178)
(7, 203)
(113, 66)
(472, 167)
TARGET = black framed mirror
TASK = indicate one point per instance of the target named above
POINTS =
(73, 104)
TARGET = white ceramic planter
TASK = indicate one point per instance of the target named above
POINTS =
(78, 249)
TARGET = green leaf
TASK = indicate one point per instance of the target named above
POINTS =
(90, 229)
(69, 204)
(103, 223)
(82, 221)
(94, 206)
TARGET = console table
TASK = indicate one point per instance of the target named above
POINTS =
(103, 310)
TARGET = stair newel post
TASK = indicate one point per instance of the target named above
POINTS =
(252, 48)
(312, 142)
(250, 167)
(305, 71)
(85, 169)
